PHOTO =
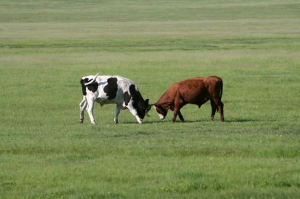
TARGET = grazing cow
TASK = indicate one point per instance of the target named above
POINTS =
(192, 91)
(112, 90)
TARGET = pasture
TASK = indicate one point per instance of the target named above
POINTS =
(47, 46)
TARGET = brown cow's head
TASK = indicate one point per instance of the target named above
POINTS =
(162, 113)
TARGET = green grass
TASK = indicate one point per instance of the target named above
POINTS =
(47, 46)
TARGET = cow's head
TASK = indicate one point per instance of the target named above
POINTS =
(143, 108)
(162, 113)
(140, 105)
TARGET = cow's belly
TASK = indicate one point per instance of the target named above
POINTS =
(103, 99)
(198, 100)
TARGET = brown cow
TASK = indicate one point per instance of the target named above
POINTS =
(197, 91)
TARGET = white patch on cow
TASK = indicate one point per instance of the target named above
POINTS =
(160, 115)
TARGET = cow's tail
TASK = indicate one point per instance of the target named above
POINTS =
(92, 80)
(220, 85)
(221, 89)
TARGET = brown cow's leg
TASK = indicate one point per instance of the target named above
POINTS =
(221, 111)
(213, 109)
(180, 116)
(220, 106)
(177, 106)
(174, 117)
(176, 111)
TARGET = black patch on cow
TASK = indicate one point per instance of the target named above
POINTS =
(127, 98)
(111, 88)
(92, 87)
(83, 87)
(138, 101)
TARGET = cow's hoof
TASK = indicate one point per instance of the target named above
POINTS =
(80, 121)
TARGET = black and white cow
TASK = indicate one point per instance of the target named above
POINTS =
(112, 90)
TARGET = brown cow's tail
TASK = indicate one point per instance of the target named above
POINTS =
(220, 85)
(221, 89)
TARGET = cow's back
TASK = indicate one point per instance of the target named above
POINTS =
(193, 91)
(112, 88)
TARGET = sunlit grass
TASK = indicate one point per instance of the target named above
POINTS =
(47, 46)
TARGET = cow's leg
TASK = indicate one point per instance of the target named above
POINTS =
(213, 109)
(90, 107)
(175, 115)
(221, 110)
(220, 106)
(82, 107)
(177, 106)
(180, 116)
(134, 112)
(176, 112)
(118, 109)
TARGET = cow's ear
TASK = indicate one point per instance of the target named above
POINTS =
(147, 101)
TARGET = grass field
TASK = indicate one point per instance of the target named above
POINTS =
(47, 46)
